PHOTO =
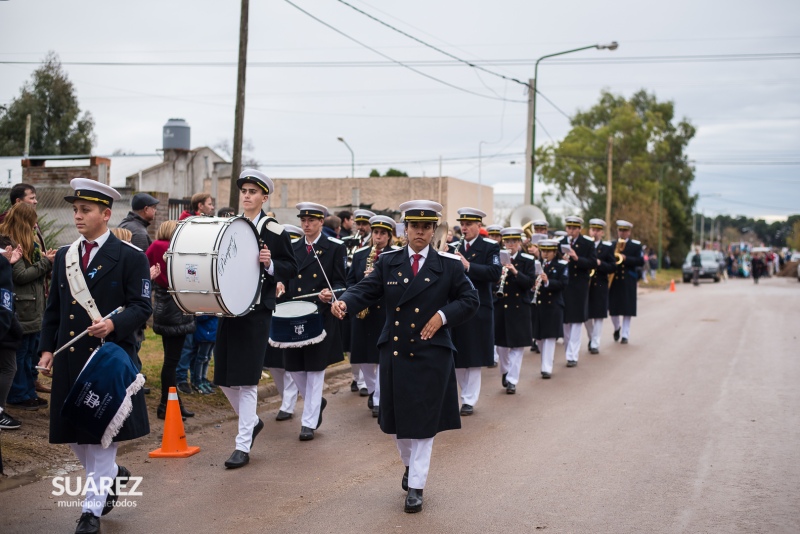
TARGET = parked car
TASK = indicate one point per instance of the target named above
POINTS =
(712, 268)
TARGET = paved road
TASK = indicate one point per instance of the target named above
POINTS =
(693, 427)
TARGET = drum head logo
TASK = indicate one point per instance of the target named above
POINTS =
(190, 273)
(299, 329)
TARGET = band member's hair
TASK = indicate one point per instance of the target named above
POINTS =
(18, 225)
(166, 229)
(197, 199)
(122, 234)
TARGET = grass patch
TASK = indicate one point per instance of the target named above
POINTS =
(663, 278)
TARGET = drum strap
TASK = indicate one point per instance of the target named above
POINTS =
(77, 282)
(263, 221)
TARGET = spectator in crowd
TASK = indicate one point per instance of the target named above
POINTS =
(652, 263)
(346, 219)
(332, 226)
(758, 266)
(205, 335)
(200, 204)
(143, 212)
(697, 264)
(667, 260)
(29, 275)
(10, 329)
(24, 193)
(168, 320)
(226, 212)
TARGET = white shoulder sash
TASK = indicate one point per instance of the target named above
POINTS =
(77, 283)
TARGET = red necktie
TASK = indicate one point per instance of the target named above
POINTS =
(415, 265)
(87, 252)
(466, 247)
(309, 248)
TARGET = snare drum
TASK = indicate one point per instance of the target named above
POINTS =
(212, 266)
(296, 324)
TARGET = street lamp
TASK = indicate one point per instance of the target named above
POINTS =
(352, 158)
(613, 45)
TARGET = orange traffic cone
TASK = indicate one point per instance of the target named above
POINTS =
(672, 286)
(173, 444)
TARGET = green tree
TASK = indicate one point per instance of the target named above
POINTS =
(57, 125)
(394, 172)
(374, 173)
(646, 144)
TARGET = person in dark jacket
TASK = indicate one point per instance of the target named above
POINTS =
(242, 341)
(423, 291)
(143, 212)
(598, 284)
(168, 320)
(116, 274)
(582, 260)
(548, 324)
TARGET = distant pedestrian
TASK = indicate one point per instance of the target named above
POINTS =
(200, 204)
(142, 214)
(697, 264)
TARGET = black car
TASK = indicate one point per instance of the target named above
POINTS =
(712, 268)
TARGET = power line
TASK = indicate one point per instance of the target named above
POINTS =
(402, 64)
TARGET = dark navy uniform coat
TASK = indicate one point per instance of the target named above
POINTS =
(119, 275)
(474, 339)
(576, 294)
(242, 341)
(333, 255)
(549, 310)
(512, 313)
(598, 285)
(622, 293)
(419, 394)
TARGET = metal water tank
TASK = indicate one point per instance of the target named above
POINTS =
(177, 135)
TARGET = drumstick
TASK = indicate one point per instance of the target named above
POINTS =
(76, 338)
(321, 268)
(309, 295)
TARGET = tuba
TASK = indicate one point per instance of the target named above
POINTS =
(439, 241)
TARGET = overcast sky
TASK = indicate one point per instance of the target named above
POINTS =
(747, 113)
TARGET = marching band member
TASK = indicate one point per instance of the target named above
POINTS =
(512, 321)
(540, 228)
(367, 324)
(622, 290)
(241, 343)
(598, 287)
(363, 228)
(422, 290)
(273, 358)
(474, 338)
(307, 364)
(116, 274)
(493, 231)
(362, 234)
(548, 325)
(582, 259)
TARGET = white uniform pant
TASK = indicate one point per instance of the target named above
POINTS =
(368, 373)
(572, 341)
(548, 349)
(376, 397)
(244, 400)
(358, 377)
(309, 384)
(101, 468)
(594, 328)
(511, 362)
(626, 325)
(496, 355)
(469, 380)
(416, 455)
(286, 387)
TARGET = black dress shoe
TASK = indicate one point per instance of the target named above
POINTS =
(571, 363)
(321, 409)
(363, 392)
(370, 402)
(505, 382)
(122, 476)
(535, 347)
(354, 386)
(404, 483)
(88, 524)
(593, 350)
(375, 411)
(237, 459)
(546, 375)
(624, 340)
(283, 416)
(413, 501)
(146, 390)
(306, 434)
(161, 412)
(511, 388)
(467, 409)
(256, 430)
(616, 334)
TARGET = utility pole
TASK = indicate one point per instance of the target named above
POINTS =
(608, 185)
(702, 228)
(238, 129)
(27, 136)
(529, 148)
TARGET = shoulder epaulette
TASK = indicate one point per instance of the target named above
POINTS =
(337, 241)
(636, 242)
(527, 256)
(362, 248)
(607, 243)
(274, 227)
(132, 245)
(589, 238)
(448, 255)
(563, 262)
(490, 241)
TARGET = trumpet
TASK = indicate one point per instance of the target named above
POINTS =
(618, 255)
(500, 293)
(373, 255)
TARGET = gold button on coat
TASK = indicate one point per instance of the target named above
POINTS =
(397, 323)
(395, 353)
(395, 338)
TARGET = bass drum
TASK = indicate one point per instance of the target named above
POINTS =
(212, 266)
